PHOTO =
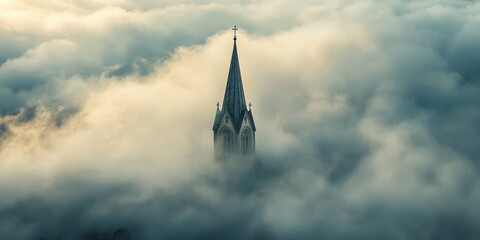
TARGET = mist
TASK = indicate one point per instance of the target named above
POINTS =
(366, 114)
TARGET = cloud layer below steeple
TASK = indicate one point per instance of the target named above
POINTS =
(367, 116)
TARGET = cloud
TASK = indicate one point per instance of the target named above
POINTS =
(366, 114)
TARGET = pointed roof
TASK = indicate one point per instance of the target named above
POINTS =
(234, 99)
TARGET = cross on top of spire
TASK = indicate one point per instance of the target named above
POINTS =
(235, 32)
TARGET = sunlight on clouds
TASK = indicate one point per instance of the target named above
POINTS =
(366, 117)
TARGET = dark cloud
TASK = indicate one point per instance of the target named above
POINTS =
(366, 113)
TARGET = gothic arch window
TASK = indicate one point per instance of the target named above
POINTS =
(226, 139)
(246, 141)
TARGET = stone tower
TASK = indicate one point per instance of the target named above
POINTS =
(234, 128)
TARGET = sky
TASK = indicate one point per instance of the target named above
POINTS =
(367, 119)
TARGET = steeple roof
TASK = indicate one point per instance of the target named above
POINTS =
(234, 99)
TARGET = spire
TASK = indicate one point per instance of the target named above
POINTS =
(234, 128)
(234, 99)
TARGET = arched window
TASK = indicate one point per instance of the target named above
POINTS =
(246, 141)
(226, 139)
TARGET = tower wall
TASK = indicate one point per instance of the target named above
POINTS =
(242, 138)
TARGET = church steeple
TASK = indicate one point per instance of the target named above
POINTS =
(234, 99)
(234, 128)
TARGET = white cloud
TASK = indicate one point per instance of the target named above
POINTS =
(366, 120)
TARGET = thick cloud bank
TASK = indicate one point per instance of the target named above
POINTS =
(367, 117)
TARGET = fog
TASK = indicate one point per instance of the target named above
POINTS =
(367, 117)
